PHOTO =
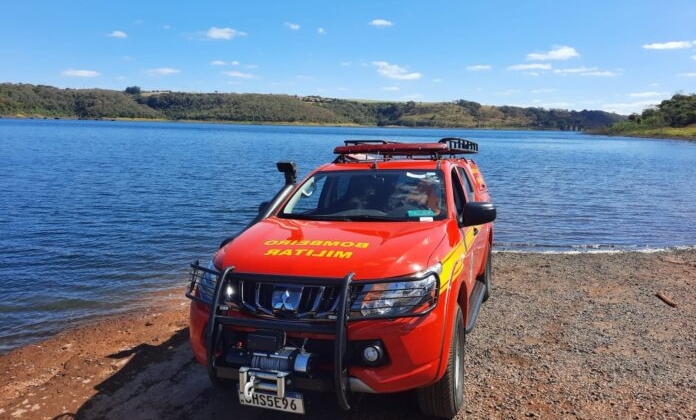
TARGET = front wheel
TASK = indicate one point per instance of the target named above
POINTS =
(445, 397)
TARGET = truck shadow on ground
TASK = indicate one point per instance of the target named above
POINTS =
(164, 382)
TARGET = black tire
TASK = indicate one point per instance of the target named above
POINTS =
(446, 397)
(486, 276)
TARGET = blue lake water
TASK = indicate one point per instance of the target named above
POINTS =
(96, 214)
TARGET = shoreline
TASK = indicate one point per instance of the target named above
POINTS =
(69, 324)
(563, 336)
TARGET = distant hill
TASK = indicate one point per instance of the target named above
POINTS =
(38, 101)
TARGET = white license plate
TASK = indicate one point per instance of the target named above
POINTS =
(292, 402)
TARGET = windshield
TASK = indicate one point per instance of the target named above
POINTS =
(385, 195)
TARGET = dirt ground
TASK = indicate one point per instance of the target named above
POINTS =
(564, 336)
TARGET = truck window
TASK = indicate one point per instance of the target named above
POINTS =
(469, 188)
(458, 193)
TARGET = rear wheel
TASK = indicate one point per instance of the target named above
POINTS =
(445, 397)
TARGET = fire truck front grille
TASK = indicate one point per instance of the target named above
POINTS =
(288, 300)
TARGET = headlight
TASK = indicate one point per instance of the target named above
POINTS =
(398, 298)
(206, 285)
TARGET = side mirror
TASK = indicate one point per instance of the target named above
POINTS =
(477, 214)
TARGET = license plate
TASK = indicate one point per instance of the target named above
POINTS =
(292, 402)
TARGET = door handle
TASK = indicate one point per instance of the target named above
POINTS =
(476, 231)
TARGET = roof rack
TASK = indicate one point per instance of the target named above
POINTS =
(459, 145)
(362, 150)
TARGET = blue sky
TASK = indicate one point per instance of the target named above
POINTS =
(612, 55)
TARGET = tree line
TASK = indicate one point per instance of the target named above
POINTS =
(674, 117)
(679, 111)
(26, 100)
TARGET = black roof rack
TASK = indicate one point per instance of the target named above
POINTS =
(364, 150)
(462, 146)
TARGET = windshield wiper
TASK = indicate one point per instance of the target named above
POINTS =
(368, 218)
(342, 217)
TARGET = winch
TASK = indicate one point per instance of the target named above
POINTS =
(267, 363)
(271, 371)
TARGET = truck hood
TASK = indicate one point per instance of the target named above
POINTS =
(371, 250)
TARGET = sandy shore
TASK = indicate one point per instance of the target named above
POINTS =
(563, 336)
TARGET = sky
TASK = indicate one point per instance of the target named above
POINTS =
(613, 55)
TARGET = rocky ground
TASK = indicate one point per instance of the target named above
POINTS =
(582, 336)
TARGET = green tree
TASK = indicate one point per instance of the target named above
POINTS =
(133, 90)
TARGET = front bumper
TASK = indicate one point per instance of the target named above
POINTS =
(236, 346)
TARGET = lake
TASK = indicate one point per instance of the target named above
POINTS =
(96, 214)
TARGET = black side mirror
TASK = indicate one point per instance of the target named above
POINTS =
(477, 214)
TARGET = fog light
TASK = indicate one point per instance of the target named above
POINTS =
(372, 354)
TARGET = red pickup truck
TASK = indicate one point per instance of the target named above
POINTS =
(362, 278)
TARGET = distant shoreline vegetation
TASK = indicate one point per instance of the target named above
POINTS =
(672, 118)
(39, 101)
(675, 118)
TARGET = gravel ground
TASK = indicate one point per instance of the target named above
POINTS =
(581, 336)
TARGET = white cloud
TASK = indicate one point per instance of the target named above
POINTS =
(557, 53)
(239, 74)
(671, 45)
(575, 70)
(321, 31)
(394, 71)
(163, 71)
(645, 94)
(626, 108)
(586, 71)
(381, 23)
(391, 88)
(523, 67)
(478, 67)
(599, 73)
(687, 74)
(543, 90)
(218, 63)
(223, 33)
(79, 73)
(118, 34)
(292, 26)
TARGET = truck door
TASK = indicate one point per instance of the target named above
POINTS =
(479, 244)
(467, 232)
